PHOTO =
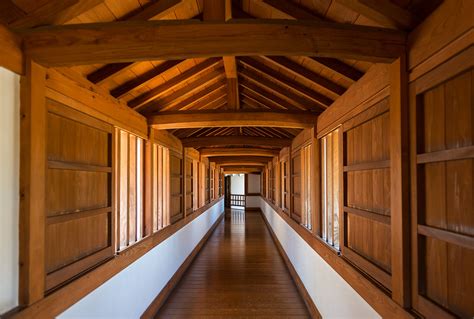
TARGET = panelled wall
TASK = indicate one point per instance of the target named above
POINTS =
(442, 163)
(394, 161)
(104, 185)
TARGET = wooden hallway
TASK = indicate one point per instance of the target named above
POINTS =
(238, 273)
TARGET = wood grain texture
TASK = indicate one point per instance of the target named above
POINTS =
(168, 40)
(239, 272)
(173, 282)
(58, 301)
(32, 184)
(231, 119)
(10, 51)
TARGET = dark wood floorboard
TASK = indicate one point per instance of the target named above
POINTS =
(239, 273)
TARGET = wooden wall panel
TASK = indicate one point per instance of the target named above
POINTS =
(71, 190)
(66, 242)
(442, 123)
(367, 194)
(79, 195)
(176, 187)
(296, 186)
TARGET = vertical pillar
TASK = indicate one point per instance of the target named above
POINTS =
(399, 177)
(32, 183)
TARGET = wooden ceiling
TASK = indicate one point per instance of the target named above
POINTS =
(284, 84)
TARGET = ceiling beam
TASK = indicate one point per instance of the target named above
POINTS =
(180, 39)
(223, 151)
(299, 12)
(187, 75)
(242, 169)
(219, 10)
(384, 12)
(291, 84)
(257, 100)
(240, 162)
(175, 120)
(239, 159)
(302, 72)
(157, 10)
(235, 140)
(54, 12)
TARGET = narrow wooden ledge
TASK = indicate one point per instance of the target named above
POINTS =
(63, 298)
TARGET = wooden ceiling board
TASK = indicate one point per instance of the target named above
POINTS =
(123, 7)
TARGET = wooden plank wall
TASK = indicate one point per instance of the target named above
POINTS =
(406, 134)
(84, 194)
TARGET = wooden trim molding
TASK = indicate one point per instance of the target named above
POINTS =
(60, 300)
(155, 306)
(366, 288)
(313, 310)
(10, 51)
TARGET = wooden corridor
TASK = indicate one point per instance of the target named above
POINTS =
(239, 273)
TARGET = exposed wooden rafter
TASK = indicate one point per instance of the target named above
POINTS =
(231, 119)
(193, 72)
(54, 12)
(316, 97)
(156, 9)
(235, 140)
(302, 72)
(298, 12)
(267, 95)
(278, 90)
(208, 82)
(219, 10)
(384, 12)
(144, 78)
(172, 40)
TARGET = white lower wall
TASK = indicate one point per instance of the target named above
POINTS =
(252, 201)
(129, 293)
(9, 188)
(331, 294)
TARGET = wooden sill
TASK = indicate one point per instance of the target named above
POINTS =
(366, 288)
(61, 299)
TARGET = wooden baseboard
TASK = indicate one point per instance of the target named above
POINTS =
(252, 209)
(155, 306)
(313, 310)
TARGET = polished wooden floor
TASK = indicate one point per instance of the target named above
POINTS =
(239, 273)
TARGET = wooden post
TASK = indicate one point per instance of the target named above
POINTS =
(148, 183)
(32, 184)
(399, 188)
(315, 184)
(276, 170)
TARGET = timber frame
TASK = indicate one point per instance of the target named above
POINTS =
(236, 91)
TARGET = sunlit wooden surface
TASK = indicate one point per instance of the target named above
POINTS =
(238, 274)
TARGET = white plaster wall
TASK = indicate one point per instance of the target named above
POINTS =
(331, 294)
(130, 292)
(252, 201)
(253, 184)
(9, 187)
(237, 184)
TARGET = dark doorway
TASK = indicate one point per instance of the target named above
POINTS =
(227, 191)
